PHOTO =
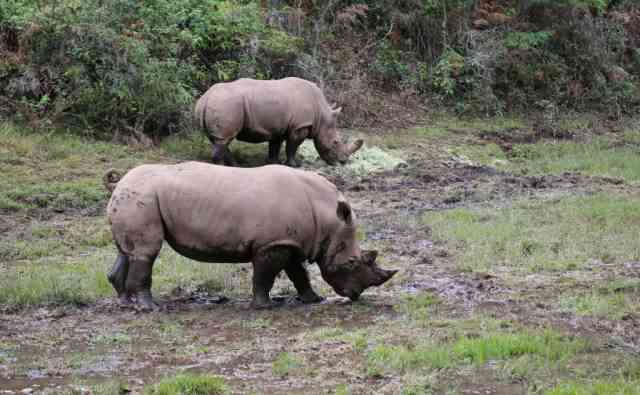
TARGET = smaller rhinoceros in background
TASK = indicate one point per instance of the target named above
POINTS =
(273, 216)
(255, 111)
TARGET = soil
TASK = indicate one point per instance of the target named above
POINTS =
(57, 346)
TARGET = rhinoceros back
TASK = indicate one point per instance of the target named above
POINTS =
(222, 214)
(256, 110)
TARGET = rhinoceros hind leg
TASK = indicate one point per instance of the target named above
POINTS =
(118, 274)
(218, 154)
(138, 282)
(228, 158)
(300, 278)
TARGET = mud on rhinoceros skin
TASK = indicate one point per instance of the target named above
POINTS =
(255, 111)
(274, 216)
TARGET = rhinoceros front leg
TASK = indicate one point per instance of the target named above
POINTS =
(294, 139)
(274, 150)
(300, 278)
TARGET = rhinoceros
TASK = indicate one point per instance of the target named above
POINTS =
(273, 216)
(290, 109)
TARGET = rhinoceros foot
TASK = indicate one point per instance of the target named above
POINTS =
(309, 296)
(293, 162)
(262, 305)
(144, 302)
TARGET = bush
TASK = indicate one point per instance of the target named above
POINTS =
(123, 67)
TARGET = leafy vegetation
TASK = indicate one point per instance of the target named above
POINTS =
(127, 69)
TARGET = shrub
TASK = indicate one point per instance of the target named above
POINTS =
(131, 67)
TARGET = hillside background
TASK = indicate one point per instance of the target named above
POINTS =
(131, 70)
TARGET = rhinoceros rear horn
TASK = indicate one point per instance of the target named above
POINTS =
(355, 146)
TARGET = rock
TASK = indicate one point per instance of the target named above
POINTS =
(496, 18)
(27, 391)
(481, 24)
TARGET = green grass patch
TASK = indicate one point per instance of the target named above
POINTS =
(83, 280)
(543, 236)
(548, 347)
(500, 346)
(58, 169)
(419, 306)
(596, 158)
(189, 384)
(285, 364)
(598, 387)
(384, 357)
(108, 388)
(613, 301)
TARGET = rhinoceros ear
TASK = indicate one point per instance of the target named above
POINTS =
(369, 257)
(344, 212)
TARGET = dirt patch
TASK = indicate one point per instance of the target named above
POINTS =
(506, 138)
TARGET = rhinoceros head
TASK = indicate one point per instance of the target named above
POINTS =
(345, 267)
(328, 144)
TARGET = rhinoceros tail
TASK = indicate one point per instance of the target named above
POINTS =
(111, 178)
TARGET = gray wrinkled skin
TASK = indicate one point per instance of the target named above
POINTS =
(276, 111)
(273, 216)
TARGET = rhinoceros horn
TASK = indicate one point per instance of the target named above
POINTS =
(355, 146)
(380, 275)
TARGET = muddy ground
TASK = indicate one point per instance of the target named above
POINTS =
(49, 348)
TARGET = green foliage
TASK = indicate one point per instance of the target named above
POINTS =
(440, 7)
(128, 67)
(390, 63)
(189, 384)
(527, 40)
(449, 66)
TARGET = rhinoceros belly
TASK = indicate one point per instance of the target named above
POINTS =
(238, 252)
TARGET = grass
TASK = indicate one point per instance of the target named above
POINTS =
(615, 301)
(418, 306)
(564, 234)
(58, 170)
(549, 346)
(500, 346)
(108, 388)
(285, 364)
(189, 384)
(596, 158)
(383, 358)
(598, 387)
(80, 281)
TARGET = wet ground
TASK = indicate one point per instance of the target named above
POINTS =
(45, 349)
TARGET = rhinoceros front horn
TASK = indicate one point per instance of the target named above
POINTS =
(382, 276)
(353, 147)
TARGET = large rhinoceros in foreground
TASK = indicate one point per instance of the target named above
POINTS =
(274, 216)
(256, 111)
